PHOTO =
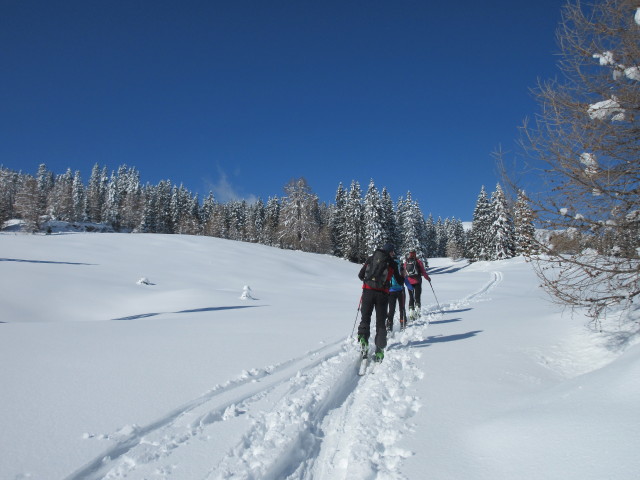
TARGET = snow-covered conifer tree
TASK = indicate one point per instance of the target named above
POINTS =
(194, 221)
(431, 244)
(148, 219)
(79, 199)
(164, 221)
(525, 230)
(400, 214)
(256, 222)
(479, 241)
(207, 215)
(237, 211)
(111, 207)
(96, 193)
(299, 222)
(354, 249)
(207, 211)
(272, 221)
(456, 243)
(45, 180)
(9, 182)
(61, 197)
(338, 222)
(27, 203)
(180, 209)
(501, 232)
(413, 228)
(220, 222)
(322, 241)
(442, 237)
(130, 198)
(373, 221)
(388, 218)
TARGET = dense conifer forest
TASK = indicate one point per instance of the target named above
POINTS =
(351, 228)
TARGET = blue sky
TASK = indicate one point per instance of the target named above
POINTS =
(239, 97)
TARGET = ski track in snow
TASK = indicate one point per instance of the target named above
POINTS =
(311, 417)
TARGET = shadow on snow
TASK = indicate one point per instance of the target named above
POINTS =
(438, 322)
(438, 339)
(195, 310)
(43, 261)
(460, 310)
(449, 269)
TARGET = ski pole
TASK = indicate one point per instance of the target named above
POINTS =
(356, 320)
(434, 295)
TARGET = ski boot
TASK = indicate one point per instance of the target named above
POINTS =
(403, 325)
(379, 355)
(364, 346)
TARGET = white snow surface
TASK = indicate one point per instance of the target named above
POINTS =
(180, 378)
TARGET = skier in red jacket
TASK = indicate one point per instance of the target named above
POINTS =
(415, 271)
(376, 276)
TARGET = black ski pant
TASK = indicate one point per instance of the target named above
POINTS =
(414, 295)
(380, 301)
(393, 297)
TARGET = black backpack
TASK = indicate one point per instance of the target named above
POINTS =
(413, 270)
(377, 270)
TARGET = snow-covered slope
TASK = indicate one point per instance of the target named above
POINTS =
(183, 377)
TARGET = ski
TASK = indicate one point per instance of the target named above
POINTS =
(366, 368)
(364, 362)
(372, 369)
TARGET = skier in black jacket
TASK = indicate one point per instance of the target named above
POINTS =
(376, 276)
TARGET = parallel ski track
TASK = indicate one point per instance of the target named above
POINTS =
(496, 278)
(242, 390)
(384, 403)
(290, 440)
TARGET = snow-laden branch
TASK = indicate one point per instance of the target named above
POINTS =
(605, 109)
(607, 59)
(590, 163)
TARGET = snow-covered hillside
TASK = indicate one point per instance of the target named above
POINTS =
(178, 377)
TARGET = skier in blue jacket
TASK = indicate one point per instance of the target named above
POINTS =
(396, 293)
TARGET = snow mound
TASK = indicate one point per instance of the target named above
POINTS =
(246, 293)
